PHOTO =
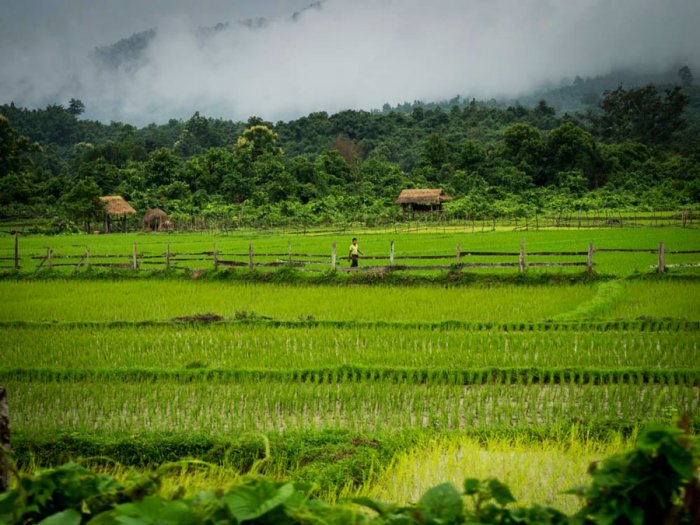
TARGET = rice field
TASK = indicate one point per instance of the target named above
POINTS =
(95, 359)
(265, 406)
(376, 243)
(264, 348)
(537, 472)
(135, 301)
(84, 301)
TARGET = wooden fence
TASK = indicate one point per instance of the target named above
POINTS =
(15, 258)
(316, 262)
(519, 221)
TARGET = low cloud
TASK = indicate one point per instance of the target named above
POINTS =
(334, 55)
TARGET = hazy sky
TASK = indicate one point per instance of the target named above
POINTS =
(344, 54)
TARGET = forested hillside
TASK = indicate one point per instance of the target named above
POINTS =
(635, 148)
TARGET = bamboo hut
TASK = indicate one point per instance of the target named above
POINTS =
(156, 220)
(115, 207)
(422, 201)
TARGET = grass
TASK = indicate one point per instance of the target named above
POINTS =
(337, 374)
(264, 406)
(132, 301)
(260, 347)
(535, 471)
(163, 300)
(376, 243)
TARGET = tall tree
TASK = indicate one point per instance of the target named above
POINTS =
(75, 107)
(161, 168)
(643, 115)
(256, 141)
(82, 202)
(686, 76)
(524, 148)
(15, 150)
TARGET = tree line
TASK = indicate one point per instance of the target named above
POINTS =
(638, 150)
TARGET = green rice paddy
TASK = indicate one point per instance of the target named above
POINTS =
(493, 376)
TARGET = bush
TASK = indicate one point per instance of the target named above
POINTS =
(654, 483)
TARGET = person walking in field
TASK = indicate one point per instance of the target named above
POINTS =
(355, 252)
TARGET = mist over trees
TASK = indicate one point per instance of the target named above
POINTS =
(638, 149)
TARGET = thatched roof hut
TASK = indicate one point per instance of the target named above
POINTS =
(431, 196)
(116, 206)
(425, 200)
(155, 220)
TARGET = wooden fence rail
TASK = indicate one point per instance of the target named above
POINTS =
(316, 262)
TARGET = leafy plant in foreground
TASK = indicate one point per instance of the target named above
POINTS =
(656, 483)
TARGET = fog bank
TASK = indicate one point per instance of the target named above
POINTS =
(283, 59)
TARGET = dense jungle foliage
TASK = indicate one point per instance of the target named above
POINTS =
(633, 149)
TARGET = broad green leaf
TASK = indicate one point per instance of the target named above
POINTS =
(128, 520)
(148, 508)
(105, 518)
(442, 502)
(500, 492)
(66, 517)
(252, 501)
(7, 501)
(680, 460)
(377, 506)
(153, 510)
(471, 486)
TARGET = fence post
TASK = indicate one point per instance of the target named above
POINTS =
(662, 261)
(684, 218)
(334, 254)
(589, 258)
(16, 252)
(134, 260)
(49, 254)
(250, 257)
(4, 441)
(167, 257)
(87, 257)
(458, 257)
(289, 252)
(391, 254)
(214, 256)
(521, 257)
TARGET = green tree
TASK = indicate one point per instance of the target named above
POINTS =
(310, 182)
(435, 153)
(544, 110)
(196, 137)
(524, 148)
(82, 202)
(16, 185)
(331, 167)
(75, 107)
(686, 76)
(470, 155)
(256, 141)
(207, 172)
(103, 173)
(571, 148)
(161, 168)
(15, 150)
(641, 115)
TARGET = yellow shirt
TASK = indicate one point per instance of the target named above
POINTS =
(354, 249)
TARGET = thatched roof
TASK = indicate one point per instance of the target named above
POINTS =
(432, 196)
(116, 205)
(155, 213)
